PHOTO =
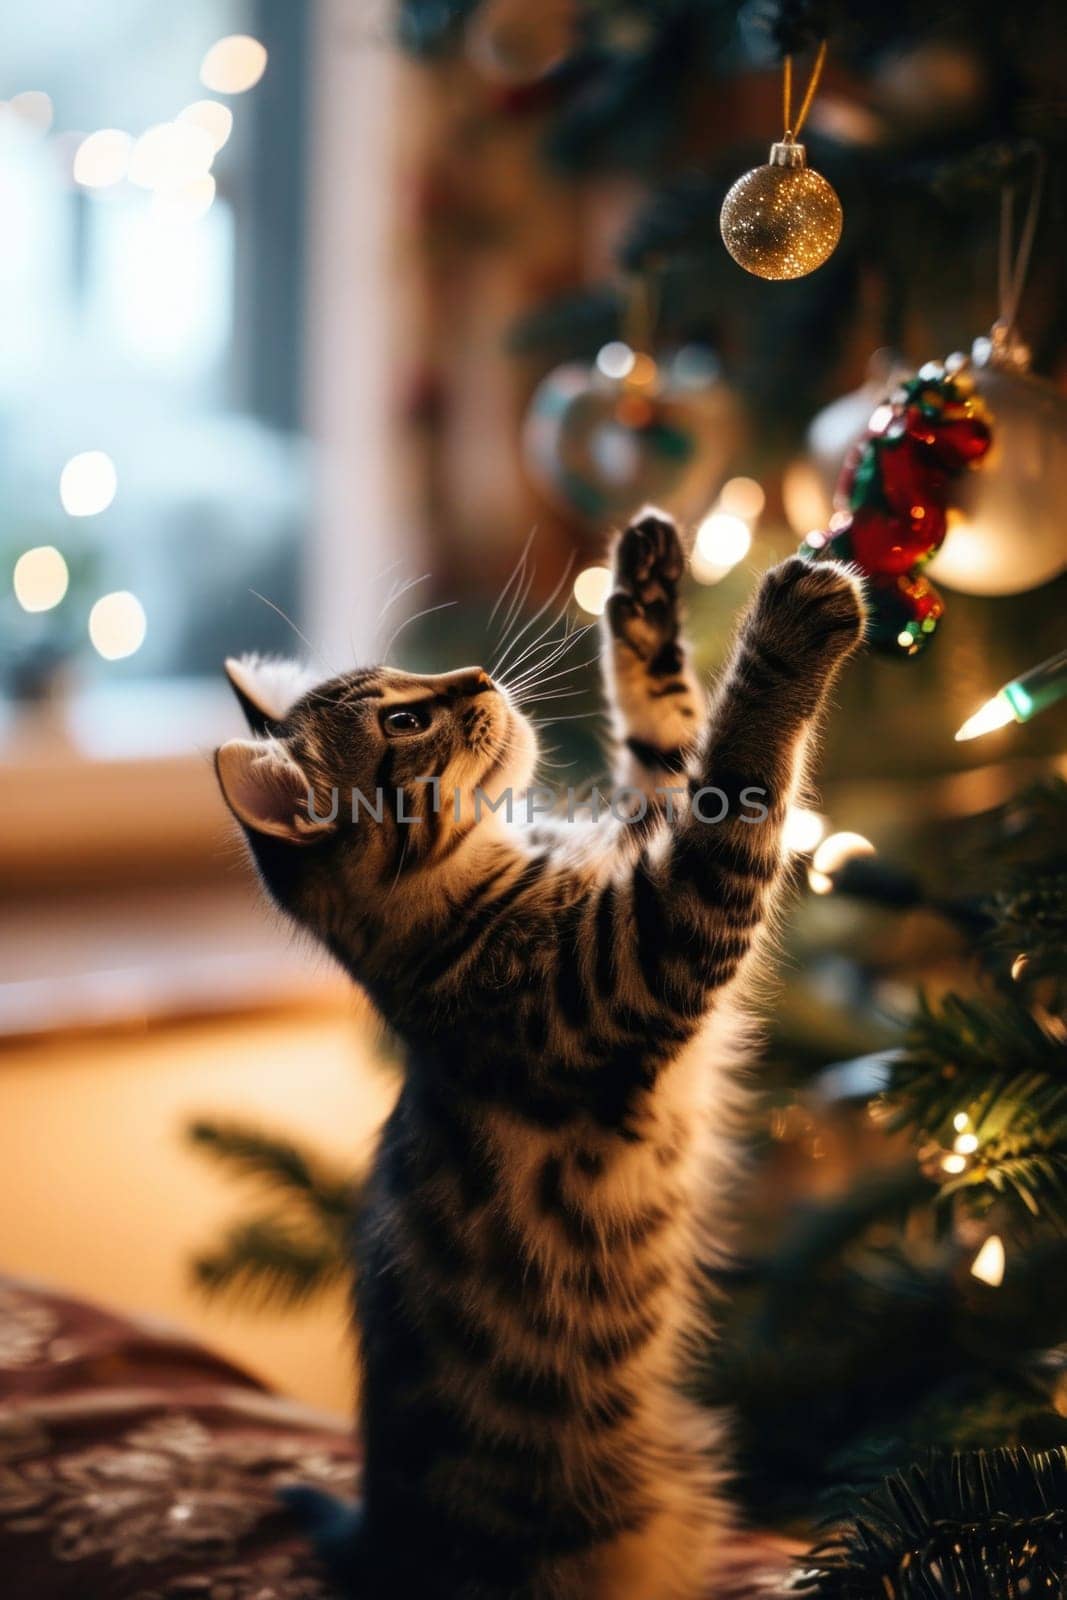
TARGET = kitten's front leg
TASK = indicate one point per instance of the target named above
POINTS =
(656, 699)
(805, 622)
(700, 891)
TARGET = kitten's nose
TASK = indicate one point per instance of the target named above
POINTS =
(467, 681)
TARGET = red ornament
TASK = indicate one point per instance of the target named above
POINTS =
(882, 542)
(892, 499)
(911, 479)
(956, 439)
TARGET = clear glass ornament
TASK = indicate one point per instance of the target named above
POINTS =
(1007, 530)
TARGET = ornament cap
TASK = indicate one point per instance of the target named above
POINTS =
(787, 153)
(1002, 348)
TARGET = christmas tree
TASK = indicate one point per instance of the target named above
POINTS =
(892, 1336)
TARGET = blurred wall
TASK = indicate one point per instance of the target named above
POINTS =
(101, 1196)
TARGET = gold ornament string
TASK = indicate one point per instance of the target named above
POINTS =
(642, 309)
(1011, 275)
(792, 128)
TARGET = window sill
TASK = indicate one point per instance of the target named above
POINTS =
(135, 958)
(115, 785)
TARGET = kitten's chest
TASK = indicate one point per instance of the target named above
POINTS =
(607, 1185)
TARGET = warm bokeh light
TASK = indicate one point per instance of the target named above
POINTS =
(976, 558)
(988, 1265)
(722, 540)
(40, 578)
(803, 829)
(88, 483)
(33, 108)
(171, 155)
(102, 158)
(804, 497)
(961, 1121)
(834, 851)
(192, 200)
(615, 360)
(643, 373)
(965, 1144)
(742, 497)
(211, 115)
(954, 1165)
(233, 64)
(591, 589)
(117, 625)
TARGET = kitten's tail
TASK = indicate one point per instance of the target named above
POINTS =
(335, 1528)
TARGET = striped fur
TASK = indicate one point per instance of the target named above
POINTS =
(553, 1175)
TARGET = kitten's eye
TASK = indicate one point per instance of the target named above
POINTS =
(408, 720)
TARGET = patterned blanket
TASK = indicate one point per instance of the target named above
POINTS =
(136, 1465)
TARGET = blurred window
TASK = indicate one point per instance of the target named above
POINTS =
(152, 467)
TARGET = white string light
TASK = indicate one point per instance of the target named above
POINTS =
(803, 830)
(989, 1264)
(831, 856)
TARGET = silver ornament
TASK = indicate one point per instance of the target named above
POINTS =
(602, 446)
(1007, 527)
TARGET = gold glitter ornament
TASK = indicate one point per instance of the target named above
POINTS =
(782, 220)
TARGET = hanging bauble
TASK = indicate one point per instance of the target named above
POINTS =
(1007, 522)
(781, 220)
(605, 439)
(513, 42)
(892, 500)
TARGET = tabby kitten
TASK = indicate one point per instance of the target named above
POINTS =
(553, 1175)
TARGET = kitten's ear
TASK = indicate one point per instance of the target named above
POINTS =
(267, 791)
(266, 690)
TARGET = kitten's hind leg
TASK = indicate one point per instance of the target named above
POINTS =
(335, 1528)
(658, 704)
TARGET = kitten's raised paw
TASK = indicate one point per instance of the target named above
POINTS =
(813, 606)
(642, 610)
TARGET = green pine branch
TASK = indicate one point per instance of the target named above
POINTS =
(1033, 1176)
(299, 1249)
(991, 1525)
(971, 1410)
(966, 1054)
(278, 1165)
(266, 1263)
(1029, 920)
(1006, 1068)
